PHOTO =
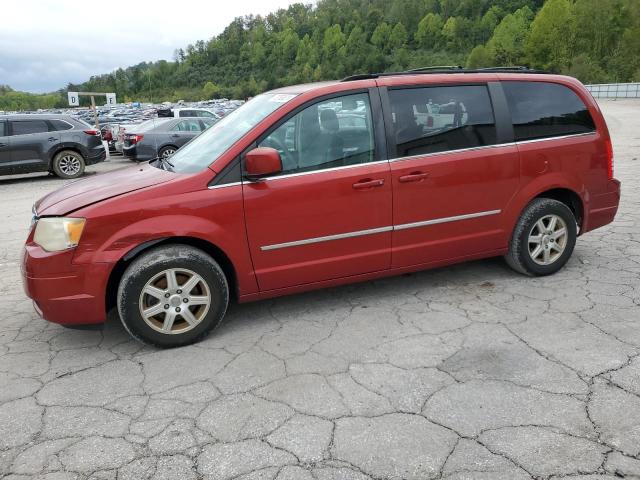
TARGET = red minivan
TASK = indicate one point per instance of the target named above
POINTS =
(326, 184)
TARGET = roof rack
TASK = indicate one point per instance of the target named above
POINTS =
(444, 69)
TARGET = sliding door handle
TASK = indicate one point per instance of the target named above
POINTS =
(368, 183)
(413, 177)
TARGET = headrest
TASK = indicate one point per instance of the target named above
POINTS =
(329, 120)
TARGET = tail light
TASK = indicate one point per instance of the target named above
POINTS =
(92, 132)
(429, 121)
(133, 139)
(609, 148)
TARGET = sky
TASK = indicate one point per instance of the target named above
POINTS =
(45, 44)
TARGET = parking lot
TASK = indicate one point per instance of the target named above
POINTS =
(465, 372)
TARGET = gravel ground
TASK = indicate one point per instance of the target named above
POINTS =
(466, 372)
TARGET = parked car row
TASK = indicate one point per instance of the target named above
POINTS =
(65, 141)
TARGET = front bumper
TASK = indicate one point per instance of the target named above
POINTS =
(63, 292)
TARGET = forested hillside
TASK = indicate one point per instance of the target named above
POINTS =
(594, 40)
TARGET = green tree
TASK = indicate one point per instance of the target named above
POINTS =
(550, 42)
(507, 45)
(480, 57)
(429, 33)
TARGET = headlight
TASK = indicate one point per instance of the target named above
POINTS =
(57, 233)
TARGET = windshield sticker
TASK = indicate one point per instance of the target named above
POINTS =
(281, 97)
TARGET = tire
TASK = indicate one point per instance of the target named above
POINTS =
(166, 152)
(528, 257)
(153, 270)
(68, 164)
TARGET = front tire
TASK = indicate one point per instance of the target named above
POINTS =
(172, 296)
(544, 238)
(68, 164)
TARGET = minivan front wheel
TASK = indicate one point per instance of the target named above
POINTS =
(543, 239)
(172, 295)
(68, 164)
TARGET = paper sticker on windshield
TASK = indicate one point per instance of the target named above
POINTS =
(281, 97)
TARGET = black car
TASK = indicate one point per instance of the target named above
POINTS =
(59, 144)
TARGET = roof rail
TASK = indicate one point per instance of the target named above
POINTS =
(444, 69)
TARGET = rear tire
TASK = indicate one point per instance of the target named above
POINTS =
(68, 164)
(172, 296)
(543, 239)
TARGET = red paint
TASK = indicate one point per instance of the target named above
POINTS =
(127, 208)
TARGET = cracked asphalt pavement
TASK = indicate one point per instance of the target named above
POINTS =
(465, 372)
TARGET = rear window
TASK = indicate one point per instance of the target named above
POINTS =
(543, 110)
(439, 119)
(25, 127)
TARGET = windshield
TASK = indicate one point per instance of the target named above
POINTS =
(206, 148)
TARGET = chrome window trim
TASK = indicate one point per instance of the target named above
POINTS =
(497, 145)
(333, 169)
(359, 233)
(545, 139)
(232, 184)
(459, 150)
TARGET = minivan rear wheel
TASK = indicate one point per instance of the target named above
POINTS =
(172, 295)
(543, 239)
(68, 164)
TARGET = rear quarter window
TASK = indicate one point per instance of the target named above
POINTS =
(544, 110)
(58, 125)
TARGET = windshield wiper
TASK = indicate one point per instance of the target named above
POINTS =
(164, 164)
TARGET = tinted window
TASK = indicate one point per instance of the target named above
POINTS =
(187, 126)
(204, 113)
(187, 113)
(316, 138)
(540, 110)
(438, 119)
(24, 127)
(60, 125)
(3, 129)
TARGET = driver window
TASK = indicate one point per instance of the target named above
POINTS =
(332, 133)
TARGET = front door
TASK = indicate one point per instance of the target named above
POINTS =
(453, 174)
(328, 215)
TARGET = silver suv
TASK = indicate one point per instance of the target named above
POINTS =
(59, 144)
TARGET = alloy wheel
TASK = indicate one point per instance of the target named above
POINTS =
(69, 165)
(174, 301)
(547, 239)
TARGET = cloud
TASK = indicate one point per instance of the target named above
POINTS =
(45, 44)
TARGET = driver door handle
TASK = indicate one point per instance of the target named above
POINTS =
(413, 177)
(368, 183)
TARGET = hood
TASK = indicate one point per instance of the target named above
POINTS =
(100, 187)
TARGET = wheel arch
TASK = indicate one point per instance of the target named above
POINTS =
(213, 250)
(61, 148)
(570, 198)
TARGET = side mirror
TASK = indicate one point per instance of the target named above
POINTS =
(262, 161)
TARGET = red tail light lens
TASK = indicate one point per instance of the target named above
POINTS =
(92, 132)
(137, 138)
(609, 148)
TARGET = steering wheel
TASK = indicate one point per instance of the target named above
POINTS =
(288, 162)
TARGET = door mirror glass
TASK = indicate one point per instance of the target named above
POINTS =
(262, 161)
